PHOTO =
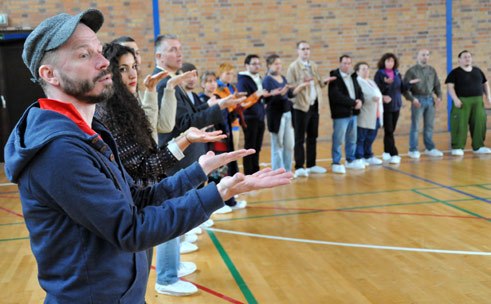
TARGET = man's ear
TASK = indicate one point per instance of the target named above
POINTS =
(46, 72)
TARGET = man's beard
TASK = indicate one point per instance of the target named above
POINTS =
(79, 89)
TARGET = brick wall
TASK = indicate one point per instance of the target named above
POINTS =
(217, 31)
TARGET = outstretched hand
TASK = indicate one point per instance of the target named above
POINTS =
(240, 183)
(179, 79)
(210, 161)
(150, 82)
(195, 135)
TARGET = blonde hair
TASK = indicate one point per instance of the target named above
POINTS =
(224, 67)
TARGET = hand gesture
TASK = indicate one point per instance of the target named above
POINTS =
(457, 103)
(329, 79)
(358, 104)
(386, 98)
(416, 103)
(230, 101)
(150, 82)
(212, 101)
(388, 80)
(195, 135)
(438, 102)
(179, 79)
(210, 161)
(239, 183)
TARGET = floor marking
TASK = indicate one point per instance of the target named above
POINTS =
(367, 246)
(6, 184)
(211, 291)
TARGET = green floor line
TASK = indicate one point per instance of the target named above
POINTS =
(453, 206)
(14, 239)
(387, 205)
(233, 270)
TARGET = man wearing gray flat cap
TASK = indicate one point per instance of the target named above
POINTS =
(88, 223)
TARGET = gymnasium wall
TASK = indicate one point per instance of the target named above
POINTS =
(217, 31)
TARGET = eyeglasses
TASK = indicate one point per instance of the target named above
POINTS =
(255, 63)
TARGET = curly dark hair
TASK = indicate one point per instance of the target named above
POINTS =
(124, 107)
(381, 62)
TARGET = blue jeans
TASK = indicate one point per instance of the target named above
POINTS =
(168, 259)
(282, 144)
(364, 141)
(344, 129)
(427, 109)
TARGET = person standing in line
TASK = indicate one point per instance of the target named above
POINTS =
(370, 117)
(423, 104)
(390, 83)
(132, 132)
(250, 82)
(467, 84)
(345, 101)
(279, 113)
(73, 185)
(306, 110)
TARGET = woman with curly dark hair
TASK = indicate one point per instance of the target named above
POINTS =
(390, 83)
(142, 158)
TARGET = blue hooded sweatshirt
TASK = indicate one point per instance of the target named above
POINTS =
(88, 224)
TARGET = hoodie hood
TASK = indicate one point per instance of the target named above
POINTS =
(35, 129)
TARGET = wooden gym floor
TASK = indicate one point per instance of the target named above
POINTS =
(418, 232)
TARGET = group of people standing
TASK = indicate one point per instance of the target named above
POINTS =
(359, 106)
(109, 166)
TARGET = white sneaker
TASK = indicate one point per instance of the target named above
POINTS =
(187, 247)
(482, 150)
(190, 237)
(457, 152)
(223, 210)
(209, 223)
(396, 159)
(386, 156)
(186, 268)
(179, 288)
(434, 153)
(357, 164)
(239, 205)
(338, 169)
(301, 172)
(316, 170)
(196, 230)
(373, 161)
(414, 154)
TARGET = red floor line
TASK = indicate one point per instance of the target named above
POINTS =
(374, 212)
(211, 291)
(11, 211)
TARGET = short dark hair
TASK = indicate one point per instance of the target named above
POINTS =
(344, 56)
(300, 42)
(463, 52)
(381, 62)
(271, 58)
(359, 64)
(206, 74)
(187, 66)
(249, 58)
(123, 39)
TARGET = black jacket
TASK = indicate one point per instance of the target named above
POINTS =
(340, 102)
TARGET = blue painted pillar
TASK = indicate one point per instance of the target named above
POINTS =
(449, 55)
(156, 19)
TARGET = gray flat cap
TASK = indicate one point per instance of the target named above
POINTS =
(54, 32)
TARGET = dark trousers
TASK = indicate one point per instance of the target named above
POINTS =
(306, 123)
(390, 123)
(253, 139)
(364, 142)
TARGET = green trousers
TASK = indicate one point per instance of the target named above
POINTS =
(471, 115)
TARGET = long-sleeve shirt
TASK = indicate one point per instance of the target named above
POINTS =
(428, 85)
